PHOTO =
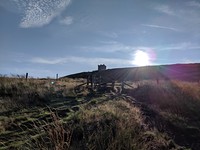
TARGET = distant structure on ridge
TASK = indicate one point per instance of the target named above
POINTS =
(101, 67)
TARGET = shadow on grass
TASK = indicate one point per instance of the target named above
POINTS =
(15, 129)
(163, 104)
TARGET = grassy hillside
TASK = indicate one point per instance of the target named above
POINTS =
(47, 114)
(173, 107)
(184, 72)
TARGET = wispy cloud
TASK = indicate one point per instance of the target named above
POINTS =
(194, 3)
(73, 59)
(180, 46)
(160, 27)
(165, 9)
(114, 46)
(190, 16)
(185, 46)
(107, 42)
(185, 60)
(66, 21)
(37, 13)
(53, 61)
(108, 47)
(108, 34)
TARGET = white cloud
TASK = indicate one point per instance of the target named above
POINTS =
(111, 47)
(108, 42)
(188, 15)
(73, 59)
(160, 27)
(165, 9)
(188, 61)
(181, 46)
(108, 47)
(40, 60)
(108, 34)
(114, 46)
(37, 13)
(193, 3)
(67, 20)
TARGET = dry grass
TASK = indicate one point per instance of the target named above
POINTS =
(21, 102)
(169, 95)
(175, 107)
(103, 123)
(53, 135)
(19, 93)
(116, 125)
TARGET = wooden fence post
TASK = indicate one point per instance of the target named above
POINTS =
(88, 81)
(26, 76)
(92, 82)
(122, 86)
(113, 85)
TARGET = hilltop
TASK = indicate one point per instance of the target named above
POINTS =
(183, 72)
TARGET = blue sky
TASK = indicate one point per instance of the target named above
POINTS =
(46, 37)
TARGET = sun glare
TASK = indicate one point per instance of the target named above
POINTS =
(141, 58)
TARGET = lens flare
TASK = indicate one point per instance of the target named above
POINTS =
(141, 58)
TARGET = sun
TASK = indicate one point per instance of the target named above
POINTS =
(141, 58)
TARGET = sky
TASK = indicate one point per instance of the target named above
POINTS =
(49, 37)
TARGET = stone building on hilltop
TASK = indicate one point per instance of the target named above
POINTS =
(101, 67)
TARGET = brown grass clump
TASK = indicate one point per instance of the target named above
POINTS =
(170, 96)
(173, 107)
(110, 125)
(116, 125)
(53, 135)
(19, 92)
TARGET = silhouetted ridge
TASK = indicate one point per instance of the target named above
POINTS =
(185, 72)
